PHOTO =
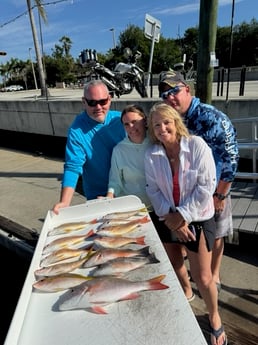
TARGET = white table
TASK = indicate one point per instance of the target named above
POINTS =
(161, 317)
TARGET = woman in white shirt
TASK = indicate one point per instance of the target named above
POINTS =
(180, 182)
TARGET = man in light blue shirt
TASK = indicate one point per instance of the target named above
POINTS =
(90, 142)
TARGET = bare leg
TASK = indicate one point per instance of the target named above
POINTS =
(200, 266)
(176, 255)
(217, 254)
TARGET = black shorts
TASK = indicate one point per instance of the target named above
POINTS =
(168, 236)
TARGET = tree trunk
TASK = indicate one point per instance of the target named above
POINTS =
(42, 79)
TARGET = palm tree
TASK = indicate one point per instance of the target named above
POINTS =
(42, 14)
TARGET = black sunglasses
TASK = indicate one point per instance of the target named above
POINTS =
(93, 102)
(171, 92)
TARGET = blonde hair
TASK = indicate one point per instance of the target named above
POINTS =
(168, 113)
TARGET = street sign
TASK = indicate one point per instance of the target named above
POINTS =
(152, 32)
(152, 28)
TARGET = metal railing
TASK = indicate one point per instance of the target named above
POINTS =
(250, 142)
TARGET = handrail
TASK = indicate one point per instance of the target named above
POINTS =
(243, 144)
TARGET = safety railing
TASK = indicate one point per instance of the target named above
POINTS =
(248, 140)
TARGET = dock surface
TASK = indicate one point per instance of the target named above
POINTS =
(30, 185)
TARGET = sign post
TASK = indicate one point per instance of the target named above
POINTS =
(152, 32)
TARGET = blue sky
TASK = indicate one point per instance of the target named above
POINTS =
(88, 23)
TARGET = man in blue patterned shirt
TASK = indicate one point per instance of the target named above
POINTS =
(217, 130)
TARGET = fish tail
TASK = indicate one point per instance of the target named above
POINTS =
(152, 259)
(145, 220)
(144, 251)
(90, 233)
(155, 283)
(140, 240)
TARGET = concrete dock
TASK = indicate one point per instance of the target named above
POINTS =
(30, 185)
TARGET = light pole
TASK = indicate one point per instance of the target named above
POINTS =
(114, 38)
(33, 71)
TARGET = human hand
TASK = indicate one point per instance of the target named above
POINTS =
(57, 206)
(185, 234)
(218, 205)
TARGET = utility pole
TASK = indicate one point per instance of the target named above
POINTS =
(207, 43)
(114, 37)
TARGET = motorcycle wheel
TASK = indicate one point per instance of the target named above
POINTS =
(141, 89)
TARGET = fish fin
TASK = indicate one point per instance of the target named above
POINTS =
(98, 310)
(93, 221)
(130, 296)
(140, 240)
(155, 283)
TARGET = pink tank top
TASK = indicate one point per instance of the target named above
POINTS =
(176, 189)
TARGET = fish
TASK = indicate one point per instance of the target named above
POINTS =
(125, 214)
(68, 227)
(66, 242)
(94, 295)
(116, 242)
(118, 222)
(117, 230)
(64, 254)
(103, 255)
(59, 268)
(120, 266)
(60, 282)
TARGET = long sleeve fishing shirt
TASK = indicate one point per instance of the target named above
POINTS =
(88, 152)
(219, 133)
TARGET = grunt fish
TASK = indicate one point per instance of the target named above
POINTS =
(64, 254)
(120, 266)
(60, 268)
(97, 293)
(66, 241)
(118, 222)
(125, 214)
(68, 227)
(117, 230)
(103, 255)
(116, 242)
(60, 282)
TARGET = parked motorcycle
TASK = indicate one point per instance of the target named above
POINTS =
(123, 79)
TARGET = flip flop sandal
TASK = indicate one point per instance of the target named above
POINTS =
(218, 284)
(190, 299)
(217, 333)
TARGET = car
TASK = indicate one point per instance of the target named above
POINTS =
(13, 88)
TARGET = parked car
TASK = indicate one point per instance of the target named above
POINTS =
(13, 88)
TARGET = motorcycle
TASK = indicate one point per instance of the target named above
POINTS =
(123, 79)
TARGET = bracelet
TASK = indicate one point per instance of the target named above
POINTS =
(221, 196)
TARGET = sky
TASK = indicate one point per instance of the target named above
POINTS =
(88, 23)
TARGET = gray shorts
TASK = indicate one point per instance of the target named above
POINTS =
(224, 221)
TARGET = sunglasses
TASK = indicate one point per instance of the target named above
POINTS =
(172, 92)
(93, 102)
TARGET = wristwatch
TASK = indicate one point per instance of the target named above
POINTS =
(220, 196)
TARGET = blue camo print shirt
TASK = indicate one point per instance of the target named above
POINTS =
(219, 133)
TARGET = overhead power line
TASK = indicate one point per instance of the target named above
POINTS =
(26, 12)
